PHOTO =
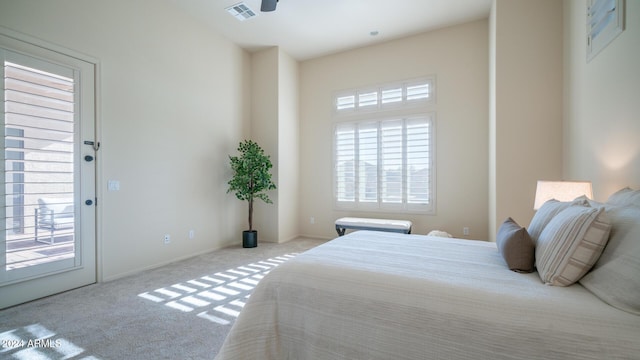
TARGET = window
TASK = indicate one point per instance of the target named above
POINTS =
(368, 99)
(384, 159)
(384, 165)
(409, 93)
(39, 135)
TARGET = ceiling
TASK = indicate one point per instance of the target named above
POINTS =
(305, 29)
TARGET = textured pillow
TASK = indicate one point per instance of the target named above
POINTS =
(625, 196)
(546, 212)
(570, 244)
(615, 278)
(516, 246)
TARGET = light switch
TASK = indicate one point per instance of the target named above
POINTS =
(113, 185)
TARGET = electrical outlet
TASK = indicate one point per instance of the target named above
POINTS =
(167, 239)
(465, 231)
(192, 234)
(312, 220)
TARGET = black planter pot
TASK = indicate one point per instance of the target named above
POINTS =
(249, 238)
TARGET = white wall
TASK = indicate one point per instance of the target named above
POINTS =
(274, 126)
(458, 56)
(172, 106)
(602, 104)
(492, 189)
(288, 148)
(526, 105)
(264, 131)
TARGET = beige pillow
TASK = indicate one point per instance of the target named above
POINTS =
(516, 246)
(570, 244)
(546, 212)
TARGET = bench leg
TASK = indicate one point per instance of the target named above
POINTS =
(340, 230)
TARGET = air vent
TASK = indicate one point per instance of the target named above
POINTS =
(241, 11)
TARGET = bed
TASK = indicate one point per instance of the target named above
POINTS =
(381, 295)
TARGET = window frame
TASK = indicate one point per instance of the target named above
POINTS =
(404, 110)
(379, 89)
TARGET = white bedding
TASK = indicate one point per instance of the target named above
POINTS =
(377, 295)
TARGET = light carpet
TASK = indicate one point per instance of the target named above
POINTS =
(180, 311)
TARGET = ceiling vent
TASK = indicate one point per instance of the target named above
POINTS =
(241, 11)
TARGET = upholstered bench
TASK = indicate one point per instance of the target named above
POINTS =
(401, 226)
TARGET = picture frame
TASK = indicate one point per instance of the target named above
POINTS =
(605, 21)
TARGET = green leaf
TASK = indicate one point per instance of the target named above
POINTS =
(251, 175)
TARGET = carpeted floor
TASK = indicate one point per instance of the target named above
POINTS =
(180, 311)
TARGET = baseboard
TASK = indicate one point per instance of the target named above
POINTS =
(160, 264)
(185, 257)
(314, 237)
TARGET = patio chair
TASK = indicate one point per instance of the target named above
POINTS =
(53, 214)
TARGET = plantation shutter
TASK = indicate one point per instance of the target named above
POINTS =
(369, 98)
(384, 164)
(418, 169)
(368, 162)
(383, 147)
(391, 95)
(345, 162)
(392, 161)
(345, 102)
(39, 139)
(418, 91)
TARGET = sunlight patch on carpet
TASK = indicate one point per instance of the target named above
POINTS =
(37, 342)
(217, 297)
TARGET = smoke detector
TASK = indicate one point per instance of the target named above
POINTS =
(241, 11)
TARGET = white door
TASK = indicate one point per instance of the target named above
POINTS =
(47, 236)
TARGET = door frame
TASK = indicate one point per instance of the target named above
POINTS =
(95, 63)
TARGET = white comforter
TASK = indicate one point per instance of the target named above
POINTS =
(375, 295)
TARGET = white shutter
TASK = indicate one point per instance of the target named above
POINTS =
(366, 99)
(392, 159)
(345, 162)
(346, 102)
(391, 95)
(418, 161)
(368, 162)
(38, 126)
(418, 91)
(385, 164)
(39, 140)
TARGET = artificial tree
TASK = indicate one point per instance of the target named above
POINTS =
(251, 178)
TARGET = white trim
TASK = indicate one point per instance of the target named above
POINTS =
(20, 43)
(403, 103)
(24, 38)
(45, 45)
(378, 205)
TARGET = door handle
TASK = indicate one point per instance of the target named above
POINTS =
(88, 158)
(89, 202)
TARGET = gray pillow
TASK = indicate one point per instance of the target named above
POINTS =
(615, 278)
(625, 196)
(516, 246)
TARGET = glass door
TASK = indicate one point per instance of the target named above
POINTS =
(48, 212)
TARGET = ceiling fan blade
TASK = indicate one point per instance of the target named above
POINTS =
(268, 5)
